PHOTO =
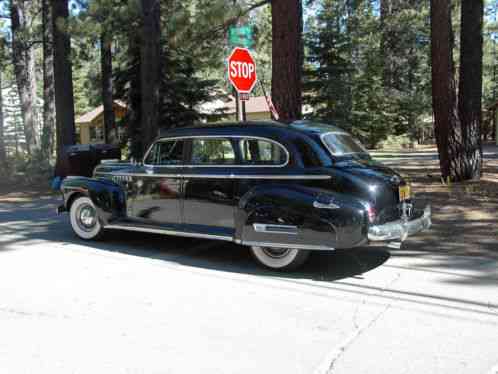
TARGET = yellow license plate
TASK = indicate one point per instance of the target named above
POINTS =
(404, 193)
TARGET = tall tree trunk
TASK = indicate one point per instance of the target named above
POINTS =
(64, 100)
(21, 13)
(443, 87)
(150, 52)
(3, 154)
(110, 130)
(287, 58)
(47, 138)
(134, 97)
(470, 86)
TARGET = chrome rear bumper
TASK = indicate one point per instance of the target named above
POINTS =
(400, 229)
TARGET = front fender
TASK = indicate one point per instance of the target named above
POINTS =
(288, 216)
(108, 197)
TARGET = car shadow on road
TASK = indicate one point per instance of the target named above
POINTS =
(323, 266)
(233, 258)
(22, 225)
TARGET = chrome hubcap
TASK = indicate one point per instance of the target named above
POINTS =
(87, 217)
(275, 252)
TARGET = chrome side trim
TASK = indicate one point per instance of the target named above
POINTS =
(218, 237)
(168, 232)
(218, 137)
(219, 176)
(73, 188)
(330, 205)
(275, 229)
(288, 245)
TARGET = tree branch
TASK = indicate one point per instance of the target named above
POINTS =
(231, 21)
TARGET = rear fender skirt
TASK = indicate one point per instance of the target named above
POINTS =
(283, 215)
(299, 215)
(108, 197)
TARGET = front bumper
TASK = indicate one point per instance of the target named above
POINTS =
(400, 229)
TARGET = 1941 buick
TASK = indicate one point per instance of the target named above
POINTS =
(281, 190)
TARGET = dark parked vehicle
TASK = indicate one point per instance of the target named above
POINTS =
(282, 190)
(83, 158)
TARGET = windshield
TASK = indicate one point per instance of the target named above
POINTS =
(342, 144)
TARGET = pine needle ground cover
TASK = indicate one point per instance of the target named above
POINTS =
(465, 215)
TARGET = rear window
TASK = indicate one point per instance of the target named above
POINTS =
(341, 144)
(262, 152)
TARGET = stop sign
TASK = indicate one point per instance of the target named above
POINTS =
(242, 70)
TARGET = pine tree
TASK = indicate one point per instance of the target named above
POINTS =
(150, 69)
(470, 86)
(287, 58)
(457, 122)
(63, 78)
(49, 127)
(329, 66)
(23, 56)
(3, 153)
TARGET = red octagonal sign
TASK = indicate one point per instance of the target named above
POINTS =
(242, 70)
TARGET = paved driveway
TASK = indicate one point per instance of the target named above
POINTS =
(139, 303)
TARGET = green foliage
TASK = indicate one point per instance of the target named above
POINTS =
(345, 72)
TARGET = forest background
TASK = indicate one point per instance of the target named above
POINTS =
(377, 68)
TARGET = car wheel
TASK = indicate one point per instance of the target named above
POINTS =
(280, 258)
(85, 220)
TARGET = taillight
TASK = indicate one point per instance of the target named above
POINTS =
(370, 212)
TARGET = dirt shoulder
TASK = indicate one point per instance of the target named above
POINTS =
(465, 215)
(21, 192)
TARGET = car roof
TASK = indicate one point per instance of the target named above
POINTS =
(269, 129)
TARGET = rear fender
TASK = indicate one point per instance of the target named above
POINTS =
(288, 216)
(108, 197)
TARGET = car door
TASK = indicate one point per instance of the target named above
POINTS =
(159, 187)
(209, 189)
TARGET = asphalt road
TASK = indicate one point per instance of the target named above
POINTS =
(139, 303)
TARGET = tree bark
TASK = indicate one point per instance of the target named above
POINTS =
(110, 130)
(150, 52)
(287, 58)
(470, 86)
(47, 139)
(63, 78)
(21, 14)
(446, 121)
(3, 153)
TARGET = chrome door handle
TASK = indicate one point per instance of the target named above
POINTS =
(330, 205)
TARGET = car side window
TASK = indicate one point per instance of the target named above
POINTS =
(168, 152)
(212, 151)
(262, 152)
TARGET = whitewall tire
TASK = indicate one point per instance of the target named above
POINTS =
(85, 220)
(280, 258)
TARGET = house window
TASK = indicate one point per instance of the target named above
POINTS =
(78, 134)
(96, 134)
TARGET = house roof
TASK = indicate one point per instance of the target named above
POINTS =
(91, 115)
(256, 104)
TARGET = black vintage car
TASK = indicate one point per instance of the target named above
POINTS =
(281, 190)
